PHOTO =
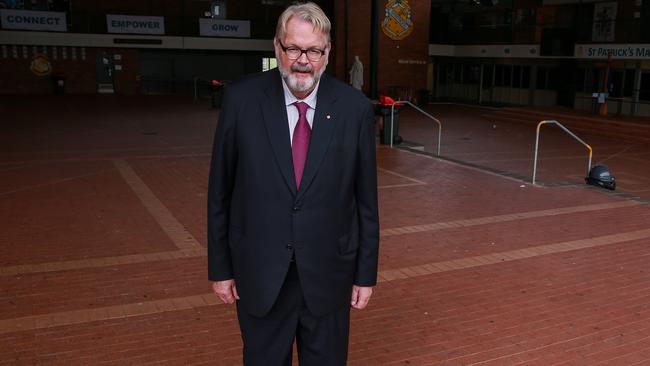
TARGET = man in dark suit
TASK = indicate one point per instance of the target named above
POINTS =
(293, 228)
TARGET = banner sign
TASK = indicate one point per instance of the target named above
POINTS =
(619, 51)
(135, 24)
(33, 20)
(225, 28)
(604, 22)
(12, 4)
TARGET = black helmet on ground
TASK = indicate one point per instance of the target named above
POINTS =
(600, 176)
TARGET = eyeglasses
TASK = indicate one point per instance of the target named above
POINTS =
(294, 53)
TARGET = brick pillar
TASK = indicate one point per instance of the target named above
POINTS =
(401, 63)
(352, 38)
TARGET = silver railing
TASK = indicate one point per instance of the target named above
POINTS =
(392, 122)
(539, 126)
(196, 86)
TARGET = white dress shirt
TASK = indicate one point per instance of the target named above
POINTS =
(292, 111)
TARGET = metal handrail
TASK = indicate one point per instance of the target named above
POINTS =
(539, 126)
(196, 87)
(392, 118)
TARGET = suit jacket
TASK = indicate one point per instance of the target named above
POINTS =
(257, 219)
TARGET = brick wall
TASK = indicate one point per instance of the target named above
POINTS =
(76, 64)
(15, 75)
(127, 79)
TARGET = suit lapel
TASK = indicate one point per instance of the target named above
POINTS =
(275, 119)
(322, 129)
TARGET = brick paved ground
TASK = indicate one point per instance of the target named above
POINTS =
(102, 247)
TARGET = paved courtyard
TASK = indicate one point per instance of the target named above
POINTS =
(471, 136)
(103, 259)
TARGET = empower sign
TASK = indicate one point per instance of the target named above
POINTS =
(135, 24)
(225, 28)
(33, 20)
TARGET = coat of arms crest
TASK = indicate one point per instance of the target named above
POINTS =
(397, 22)
(40, 65)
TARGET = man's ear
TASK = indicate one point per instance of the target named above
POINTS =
(276, 45)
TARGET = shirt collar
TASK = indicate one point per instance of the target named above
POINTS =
(289, 98)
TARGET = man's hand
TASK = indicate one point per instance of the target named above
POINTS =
(360, 296)
(226, 290)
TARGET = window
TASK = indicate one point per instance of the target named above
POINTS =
(458, 74)
(580, 79)
(498, 75)
(628, 83)
(541, 77)
(444, 74)
(525, 77)
(507, 76)
(471, 74)
(549, 78)
(644, 92)
(516, 76)
(488, 71)
(592, 80)
(269, 63)
(615, 83)
(553, 80)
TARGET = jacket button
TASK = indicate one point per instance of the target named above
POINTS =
(289, 246)
(296, 208)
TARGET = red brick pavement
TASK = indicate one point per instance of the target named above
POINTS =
(102, 247)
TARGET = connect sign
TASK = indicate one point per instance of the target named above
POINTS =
(33, 20)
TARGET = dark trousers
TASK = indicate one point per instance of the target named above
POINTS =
(268, 341)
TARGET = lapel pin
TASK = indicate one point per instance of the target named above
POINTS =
(328, 116)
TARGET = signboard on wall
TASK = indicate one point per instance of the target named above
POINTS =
(33, 20)
(134, 24)
(618, 51)
(12, 4)
(225, 28)
(604, 22)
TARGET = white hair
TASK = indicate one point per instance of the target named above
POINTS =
(308, 12)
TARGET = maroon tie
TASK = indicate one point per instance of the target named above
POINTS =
(300, 141)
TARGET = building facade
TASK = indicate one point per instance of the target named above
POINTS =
(573, 53)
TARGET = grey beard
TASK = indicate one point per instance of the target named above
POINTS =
(296, 85)
(299, 85)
